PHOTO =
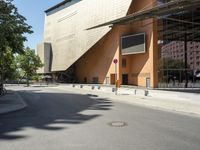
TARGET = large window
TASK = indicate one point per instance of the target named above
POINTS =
(179, 50)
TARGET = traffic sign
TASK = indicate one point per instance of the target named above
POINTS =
(115, 61)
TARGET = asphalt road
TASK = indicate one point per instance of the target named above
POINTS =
(58, 120)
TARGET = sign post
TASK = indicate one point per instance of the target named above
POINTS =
(115, 62)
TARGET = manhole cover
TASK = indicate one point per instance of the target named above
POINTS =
(117, 124)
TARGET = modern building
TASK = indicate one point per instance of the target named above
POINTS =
(175, 50)
(82, 38)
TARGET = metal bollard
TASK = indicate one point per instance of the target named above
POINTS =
(92, 87)
(99, 87)
(113, 89)
(146, 93)
(135, 92)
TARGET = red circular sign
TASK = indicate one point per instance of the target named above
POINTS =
(115, 61)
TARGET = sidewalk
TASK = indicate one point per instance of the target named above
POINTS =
(139, 91)
(10, 102)
(187, 103)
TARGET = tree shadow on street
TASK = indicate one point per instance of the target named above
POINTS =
(46, 111)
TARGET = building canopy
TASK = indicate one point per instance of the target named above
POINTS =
(184, 14)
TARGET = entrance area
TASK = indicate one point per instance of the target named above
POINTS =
(124, 79)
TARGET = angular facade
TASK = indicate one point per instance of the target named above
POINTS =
(65, 28)
(91, 52)
(156, 43)
(44, 51)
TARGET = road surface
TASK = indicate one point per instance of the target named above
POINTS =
(61, 120)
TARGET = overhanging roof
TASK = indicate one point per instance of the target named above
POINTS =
(177, 27)
(57, 6)
(173, 6)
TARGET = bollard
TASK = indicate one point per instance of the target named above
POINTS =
(99, 87)
(73, 85)
(81, 86)
(135, 92)
(92, 87)
(146, 93)
(113, 89)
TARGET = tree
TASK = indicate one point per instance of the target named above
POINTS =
(13, 28)
(29, 63)
(171, 68)
(8, 66)
(169, 63)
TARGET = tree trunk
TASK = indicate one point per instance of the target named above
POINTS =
(27, 81)
(2, 69)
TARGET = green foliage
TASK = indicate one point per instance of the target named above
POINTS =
(36, 77)
(8, 65)
(168, 63)
(170, 68)
(13, 26)
(29, 63)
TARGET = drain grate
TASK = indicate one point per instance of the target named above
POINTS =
(117, 124)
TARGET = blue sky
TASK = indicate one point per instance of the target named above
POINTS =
(33, 10)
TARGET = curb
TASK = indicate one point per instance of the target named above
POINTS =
(15, 107)
(182, 106)
(161, 94)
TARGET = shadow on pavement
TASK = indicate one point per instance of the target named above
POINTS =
(46, 111)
